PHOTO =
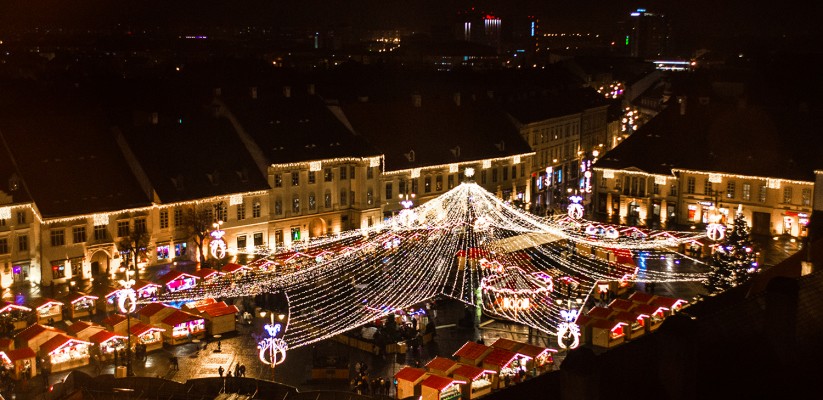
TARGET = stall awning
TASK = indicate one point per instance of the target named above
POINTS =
(175, 275)
(44, 302)
(533, 351)
(60, 341)
(152, 308)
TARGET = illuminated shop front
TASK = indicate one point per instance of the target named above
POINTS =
(478, 380)
(507, 364)
(63, 352)
(176, 280)
(108, 342)
(21, 363)
(182, 327)
(16, 314)
(148, 335)
(146, 290)
(437, 387)
(407, 382)
(108, 299)
(80, 304)
(46, 309)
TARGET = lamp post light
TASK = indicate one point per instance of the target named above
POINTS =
(127, 302)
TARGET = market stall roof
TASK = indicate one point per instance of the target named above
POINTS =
(31, 332)
(500, 358)
(45, 302)
(669, 302)
(6, 344)
(173, 275)
(179, 317)
(649, 309)
(628, 316)
(141, 329)
(205, 273)
(105, 336)
(72, 298)
(472, 351)
(220, 310)
(60, 341)
(439, 383)
(621, 305)
(470, 371)
(606, 324)
(18, 354)
(142, 284)
(600, 312)
(506, 344)
(107, 291)
(441, 364)
(410, 374)
(534, 351)
(114, 319)
(641, 297)
(80, 326)
(6, 306)
(152, 308)
(231, 268)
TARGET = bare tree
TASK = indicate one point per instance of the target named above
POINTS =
(198, 224)
(134, 245)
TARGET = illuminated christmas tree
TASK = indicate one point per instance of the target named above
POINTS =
(734, 260)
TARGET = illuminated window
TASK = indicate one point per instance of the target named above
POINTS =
(58, 271)
(451, 182)
(58, 237)
(278, 180)
(179, 249)
(328, 175)
(312, 201)
(140, 225)
(673, 190)
(295, 234)
(311, 177)
(427, 184)
(369, 197)
(787, 194)
(221, 210)
(164, 219)
(255, 209)
(162, 252)
(730, 187)
(78, 234)
(807, 196)
(4, 246)
(295, 178)
(327, 200)
(747, 191)
(762, 194)
(438, 183)
(241, 242)
(707, 186)
(178, 216)
(258, 239)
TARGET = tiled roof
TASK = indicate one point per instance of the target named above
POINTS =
(410, 374)
(472, 351)
(31, 332)
(600, 312)
(641, 297)
(437, 382)
(621, 305)
(441, 364)
(114, 319)
(58, 341)
(499, 357)
(220, 311)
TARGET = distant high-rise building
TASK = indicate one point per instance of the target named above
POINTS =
(480, 27)
(649, 34)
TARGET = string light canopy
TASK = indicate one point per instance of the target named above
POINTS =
(466, 244)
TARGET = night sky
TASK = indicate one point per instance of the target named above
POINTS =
(688, 17)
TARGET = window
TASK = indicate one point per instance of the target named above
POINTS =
(673, 190)
(401, 188)
(241, 211)
(427, 184)
(451, 182)
(164, 219)
(494, 175)
(58, 271)
(343, 172)
(258, 239)
(21, 217)
(295, 178)
(180, 249)
(140, 225)
(327, 200)
(178, 216)
(522, 170)
(388, 191)
(295, 234)
(222, 211)
(690, 185)
(414, 185)
(747, 191)
(278, 207)
(514, 172)
(78, 234)
(369, 173)
(351, 172)
(4, 246)
(438, 183)
(312, 202)
(2, 222)
(162, 252)
(58, 237)
(730, 187)
(656, 189)
(327, 175)
(241, 242)
(787, 194)
(369, 197)
(311, 177)
(505, 174)
(100, 232)
(255, 209)
(807, 196)
(122, 228)
(343, 198)
(278, 237)
(707, 187)
(762, 194)
(278, 180)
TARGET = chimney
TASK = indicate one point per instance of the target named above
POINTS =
(154, 118)
(457, 99)
(218, 91)
(254, 92)
(682, 101)
(417, 100)
(287, 91)
(310, 89)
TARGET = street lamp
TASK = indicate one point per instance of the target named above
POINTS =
(127, 302)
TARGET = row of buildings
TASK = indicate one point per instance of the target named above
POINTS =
(84, 168)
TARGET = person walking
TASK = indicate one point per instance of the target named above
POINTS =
(220, 371)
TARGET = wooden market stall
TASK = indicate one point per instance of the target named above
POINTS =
(80, 304)
(83, 329)
(621, 305)
(235, 270)
(600, 312)
(108, 342)
(220, 317)
(478, 380)
(673, 305)
(117, 323)
(635, 323)
(442, 366)
(177, 280)
(149, 335)
(35, 335)
(506, 344)
(46, 309)
(182, 327)
(16, 315)
(507, 364)
(153, 313)
(21, 363)
(606, 333)
(63, 352)
(107, 301)
(656, 315)
(146, 290)
(408, 382)
(472, 353)
(437, 387)
(541, 359)
(207, 274)
(641, 298)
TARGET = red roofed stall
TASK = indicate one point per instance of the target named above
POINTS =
(607, 333)
(674, 305)
(635, 323)
(182, 327)
(146, 289)
(117, 323)
(507, 364)
(64, 352)
(149, 335)
(472, 353)
(437, 387)
(108, 342)
(177, 280)
(442, 366)
(46, 309)
(408, 382)
(35, 335)
(15, 314)
(656, 315)
(478, 380)
(208, 274)
(153, 313)
(80, 304)
(21, 363)
(83, 329)
(107, 301)
(540, 360)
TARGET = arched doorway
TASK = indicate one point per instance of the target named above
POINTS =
(317, 227)
(100, 263)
